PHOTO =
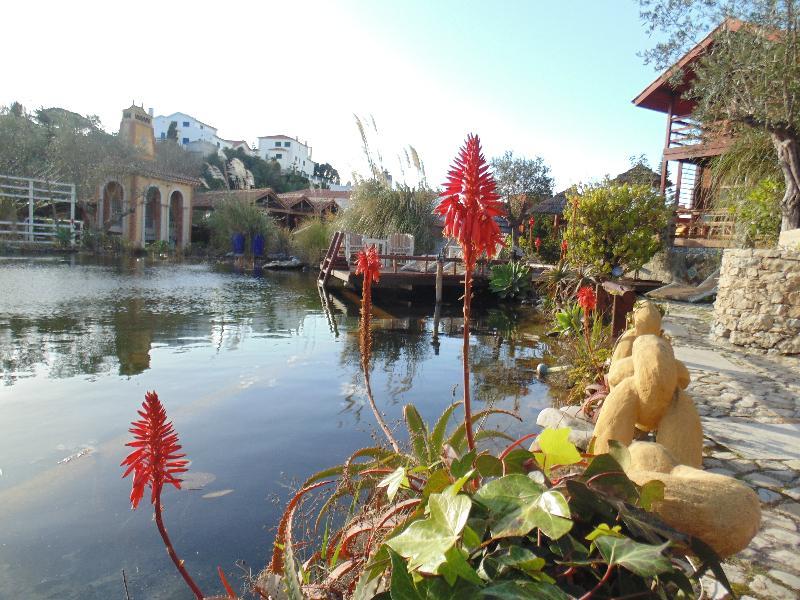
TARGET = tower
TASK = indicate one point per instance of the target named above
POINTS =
(136, 128)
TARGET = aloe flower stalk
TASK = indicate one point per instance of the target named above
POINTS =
(156, 461)
(469, 206)
(369, 265)
(537, 242)
(587, 300)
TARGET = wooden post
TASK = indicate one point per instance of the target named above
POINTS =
(30, 210)
(663, 186)
(72, 215)
(439, 277)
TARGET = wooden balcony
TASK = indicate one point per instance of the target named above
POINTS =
(687, 141)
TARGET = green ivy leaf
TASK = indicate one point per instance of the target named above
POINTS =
(518, 505)
(526, 561)
(650, 492)
(425, 542)
(455, 566)
(489, 466)
(402, 586)
(556, 449)
(642, 559)
(524, 590)
(394, 481)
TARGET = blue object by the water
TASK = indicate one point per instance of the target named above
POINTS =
(238, 243)
(258, 245)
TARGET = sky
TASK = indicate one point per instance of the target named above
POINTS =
(550, 79)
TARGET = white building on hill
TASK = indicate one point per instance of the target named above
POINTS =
(290, 153)
(189, 129)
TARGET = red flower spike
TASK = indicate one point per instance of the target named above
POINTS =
(537, 242)
(369, 264)
(587, 299)
(470, 204)
(155, 459)
(531, 221)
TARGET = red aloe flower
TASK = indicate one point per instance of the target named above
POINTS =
(537, 242)
(469, 207)
(563, 248)
(155, 460)
(369, 264)
(587, 299)
(471, 203)
(531, 221)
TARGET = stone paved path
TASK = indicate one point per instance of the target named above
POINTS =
(750, 406)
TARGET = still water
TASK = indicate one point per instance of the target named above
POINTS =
(261, 378)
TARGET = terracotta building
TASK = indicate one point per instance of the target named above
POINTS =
(145, 204)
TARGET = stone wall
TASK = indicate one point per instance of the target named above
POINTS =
(758, 301)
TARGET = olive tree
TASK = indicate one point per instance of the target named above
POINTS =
(748, 78)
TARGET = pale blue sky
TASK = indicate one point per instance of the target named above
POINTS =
(535, 77)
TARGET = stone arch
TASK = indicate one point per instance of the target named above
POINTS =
(175, 219)
(152, 214)
(113, 207)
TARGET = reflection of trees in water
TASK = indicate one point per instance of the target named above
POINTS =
(503, 360)
(398, 347)
(66, 345)
(95, 336)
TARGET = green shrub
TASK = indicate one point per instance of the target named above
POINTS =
(239, 216)
(511, 280)
(311, 240)
(63, 236)
(615, 225)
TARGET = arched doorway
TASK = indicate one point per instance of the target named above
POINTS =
(152, 214)
(176, 219)
(113, 203)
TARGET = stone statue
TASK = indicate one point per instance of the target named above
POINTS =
(647, 395)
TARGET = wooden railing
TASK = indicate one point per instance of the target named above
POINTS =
(718, 227)
(393, 263)
(40, 231)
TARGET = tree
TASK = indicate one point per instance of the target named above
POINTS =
(521, 183)
(615, 226)
(327, 173)
(172, 131)
(748, 79)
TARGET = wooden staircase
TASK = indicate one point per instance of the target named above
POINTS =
(333, 260)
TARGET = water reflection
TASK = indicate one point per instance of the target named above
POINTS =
(261, 376)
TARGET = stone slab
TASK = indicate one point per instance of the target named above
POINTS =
(753, 440)
(707, 360)
(790, 238)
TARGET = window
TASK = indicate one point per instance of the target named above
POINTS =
(201, 127)
(279, 155)
(186, 123)
(286, 144)
(277, 144)
(185, 140)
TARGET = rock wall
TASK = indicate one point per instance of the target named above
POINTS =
(758, 301)
(682, 265)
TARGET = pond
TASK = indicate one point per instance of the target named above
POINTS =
(261, 378)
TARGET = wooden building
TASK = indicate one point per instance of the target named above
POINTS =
(689, 148)
(288, 209)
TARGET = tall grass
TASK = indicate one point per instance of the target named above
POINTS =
(312, 239)
(235, 215)
(377, 210)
